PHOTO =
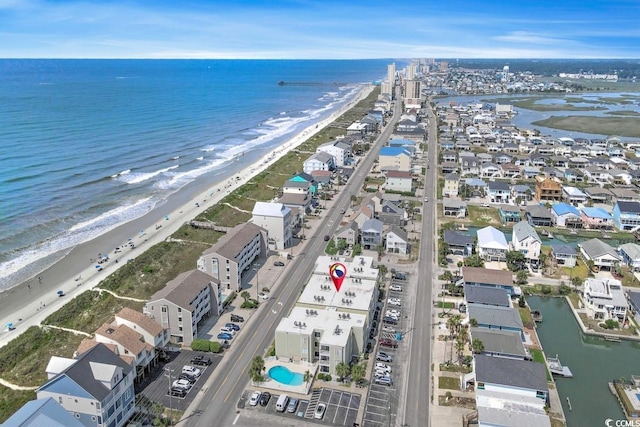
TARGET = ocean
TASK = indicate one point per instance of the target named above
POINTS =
(86, 145)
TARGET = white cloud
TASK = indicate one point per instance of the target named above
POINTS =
(529, 38)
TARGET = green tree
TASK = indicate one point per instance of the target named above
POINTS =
(307, 376)
(477, 346)
(459, 345)
(515, 260)
(331, 248)
(382, 270)
(343, 370)
(357, 249)
(521, 302)
(576, 282)
(246, 295)
(447, 276)
(474, 261)
(358, 372)
(522, 277)
(380, 250)
(473, 322)
(256, 369)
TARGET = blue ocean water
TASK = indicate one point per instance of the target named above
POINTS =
(88, 144)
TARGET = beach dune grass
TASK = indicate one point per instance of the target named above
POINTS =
(89, 310)
(153, 269)
(622, 126)
(11, 400)
(24, 359)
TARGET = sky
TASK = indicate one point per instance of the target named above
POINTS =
(310, 29)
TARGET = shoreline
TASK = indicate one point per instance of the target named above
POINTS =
(30, 302)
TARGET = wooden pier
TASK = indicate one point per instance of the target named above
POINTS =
(555, 367)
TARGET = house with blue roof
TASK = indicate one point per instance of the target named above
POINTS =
(96, 388)
(596, 218)
(626, 216)
(40, 413)
(564, 255)
(305, 177)
(566, 215)
(394, 158)
(404, 143)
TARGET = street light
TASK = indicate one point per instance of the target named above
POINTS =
(170, 371)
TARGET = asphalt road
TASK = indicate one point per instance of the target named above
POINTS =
(418, 381)
(216, 406)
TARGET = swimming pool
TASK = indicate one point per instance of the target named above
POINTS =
(285, 376)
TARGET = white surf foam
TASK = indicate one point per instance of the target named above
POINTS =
(136, 178)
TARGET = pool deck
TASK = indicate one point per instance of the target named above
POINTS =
(300, 368)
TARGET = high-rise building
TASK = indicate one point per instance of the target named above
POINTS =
(391, 72)
(505, 73)
(412, 89)
(410, 72)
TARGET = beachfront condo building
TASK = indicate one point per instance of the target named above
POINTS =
(183, 304)
(233, 255)
(96, 387)
(391, 72)
(327, 326)
(340, 150)
(413, 94)
(277, 219)
(319, 161)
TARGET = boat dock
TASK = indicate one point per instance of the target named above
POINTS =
(611, 338)
(536, 315)
(555, 367)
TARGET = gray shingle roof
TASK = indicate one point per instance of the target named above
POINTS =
(485, 295)
(595, 248)
(232, 243)
(523, 230)
(184, 288)
(454, 238)
(499, 342)
(511, 372)
(505, 317)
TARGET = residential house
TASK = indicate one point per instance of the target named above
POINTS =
(564, 255)
(42, 412)
(233, 254)
(604, 299)
(597, 175)
(397, 241)
(525, 239)
(596, 218)
(319, 161)
(503, 158)
(349, 233)
(630, 253)
(129, 343)
(397, 180)
(573, 175)
(604, 257)
(624, 194)
(340, 151)
(448, 156)
(322, 179)
(469, 164)
(599, 195)
(454, 208)
(499, 192)
(566, 215)
(458, 243)
(510, 410)
(297, 187)
(626, 216)
(391, 214)
(313, 182)
(510, 171)
(184, 303)
(361, 214)
(492, 245)
(481, 295)
(96, 387)
(277, 219)
(521, 193)
(548, 189)
(371, 233)
(496, 317)
(394, 158)
(490, 170)
(516, 377)
(300, 203)
(451, 185)
(500, 344)
(478, 276)
(151, 332)
(509, 214)
(539, 216)
(633, 298)
(573, 196)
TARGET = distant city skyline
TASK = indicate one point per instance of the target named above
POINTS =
(310, 29)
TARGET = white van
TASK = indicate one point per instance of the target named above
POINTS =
(281, 404)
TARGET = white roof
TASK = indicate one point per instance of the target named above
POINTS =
(58, 364)
(492, 238)
(574, 192)
(334, 326)
(270, 209)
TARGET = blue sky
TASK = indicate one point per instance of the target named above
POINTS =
(319, 29)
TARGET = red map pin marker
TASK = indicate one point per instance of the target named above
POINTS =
(338, 272)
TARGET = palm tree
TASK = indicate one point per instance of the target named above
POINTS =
(459, 348)
(307, 376)
(246, 295)
(255, 371)
(358, 372)
(477, 346)
(473, 322)
(342, 369)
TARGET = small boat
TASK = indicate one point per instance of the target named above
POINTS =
(462, 227)
(555, 367)
(549, 235)
(574, 232)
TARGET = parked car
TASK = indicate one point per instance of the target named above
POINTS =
(390, 320)
(395, 301)
(293, 405)
(485, 205)
(399, 276)
(278, 264)
(191, 370)
(389, 329)
(183, 384)
(319, 414)
(232, 326)
(201, 360)
(383, 367)
(237, 318)
(229, 331)
(327, 238)
(264, 398)
(178, 392)
(263, 295)
(191, 378)
(383, 381)
(396, 288)
(386, 342)
(383, 357)
(224, 336)
(255, 397)
(391, 312)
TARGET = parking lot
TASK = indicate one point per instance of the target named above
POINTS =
(156, 385)
(342, 407)
(382, 400)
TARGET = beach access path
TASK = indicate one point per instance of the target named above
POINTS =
(29, 303)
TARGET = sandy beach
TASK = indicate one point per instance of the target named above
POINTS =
(31, 302)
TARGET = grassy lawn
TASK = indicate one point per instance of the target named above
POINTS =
(538, 357)
(623, 126)
(153, 269)
(12, 400)
(525, 315)
(575, 299)
(449, 383)
(595, 325)
(482, 217)
(445, 304)
(25, 358)
(89, 310)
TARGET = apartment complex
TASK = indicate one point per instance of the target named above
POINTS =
(277, 219)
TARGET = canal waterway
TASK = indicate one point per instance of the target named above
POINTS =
(593, 361)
